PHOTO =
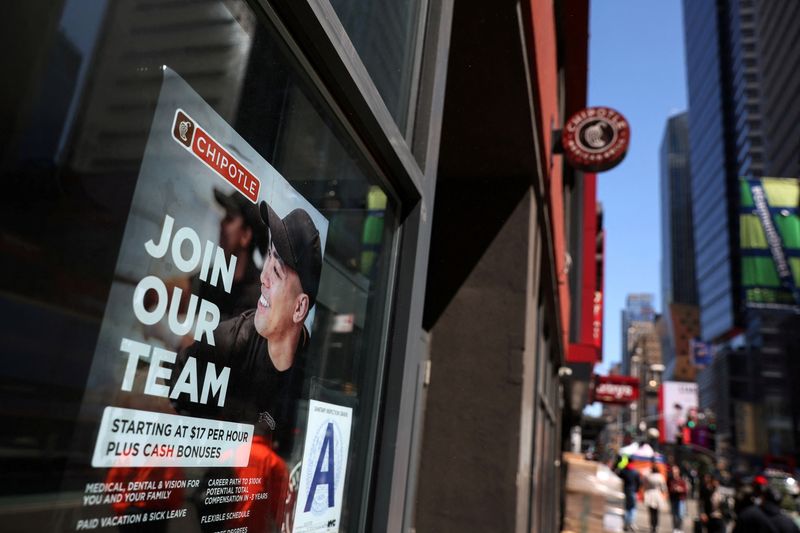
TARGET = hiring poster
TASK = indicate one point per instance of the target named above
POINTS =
(193, 397)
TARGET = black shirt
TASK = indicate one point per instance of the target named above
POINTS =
(257, 392)
(753, 520)
(631, 481)
(781, 522)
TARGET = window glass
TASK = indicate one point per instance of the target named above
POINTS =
(146, 146)
(384, 33)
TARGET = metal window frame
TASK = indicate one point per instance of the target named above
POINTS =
(408, 162)
(319, 37)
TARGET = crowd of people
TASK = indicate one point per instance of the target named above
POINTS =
(754, 506)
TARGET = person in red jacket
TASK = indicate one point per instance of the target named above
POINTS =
(677, 488)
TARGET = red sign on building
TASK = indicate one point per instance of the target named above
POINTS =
(597, 320)
(588, 345)
(595, 139)
(616, 389)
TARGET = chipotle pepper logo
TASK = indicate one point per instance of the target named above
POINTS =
(183, 129)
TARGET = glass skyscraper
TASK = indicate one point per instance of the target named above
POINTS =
(713, 187)
(678, 281)
(743, 74)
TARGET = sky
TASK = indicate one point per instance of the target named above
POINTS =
(636, 66)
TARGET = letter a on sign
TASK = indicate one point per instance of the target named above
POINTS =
(324, 466)
(323, 477)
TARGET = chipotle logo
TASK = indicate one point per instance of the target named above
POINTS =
(203, 146)
(596, 139)
(616, 389)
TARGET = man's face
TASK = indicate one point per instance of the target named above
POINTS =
(234, 234)
(277, 310)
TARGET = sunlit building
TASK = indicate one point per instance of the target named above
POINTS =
(638, 313)
(647, 367)
(678, 326)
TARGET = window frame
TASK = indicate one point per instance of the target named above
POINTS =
(407, 164)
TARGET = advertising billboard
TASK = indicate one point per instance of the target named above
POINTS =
(701, 352)
(769, 228)
(676, 400)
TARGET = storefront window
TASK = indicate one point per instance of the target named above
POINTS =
(384, 33)
(197, 269)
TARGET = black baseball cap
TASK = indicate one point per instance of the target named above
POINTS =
(296, 240)
(236, 204)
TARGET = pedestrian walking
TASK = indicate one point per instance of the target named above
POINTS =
(750, 518)
(676, 486)
(630, 487)
(771, 505)
(654, 490)
(712, 505)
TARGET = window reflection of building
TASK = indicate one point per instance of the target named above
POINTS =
(288, 128)
(107, 88)
(384, 34)
(207, 43)
(39, 141)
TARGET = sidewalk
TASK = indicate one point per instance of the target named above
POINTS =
(665, 518)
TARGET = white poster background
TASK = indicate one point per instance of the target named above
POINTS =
(327, 444)
(131, 438)
(677, 393)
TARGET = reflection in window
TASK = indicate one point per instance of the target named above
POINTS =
(71, 158)
(384, 33)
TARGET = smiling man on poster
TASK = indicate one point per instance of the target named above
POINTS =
(263, 347)
(289, 283)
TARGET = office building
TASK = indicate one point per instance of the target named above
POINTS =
(678, 280)
(742, 113)
(678, 326)
(637, 314)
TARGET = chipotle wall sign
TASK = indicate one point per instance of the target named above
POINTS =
(616, 389)
(595, 139)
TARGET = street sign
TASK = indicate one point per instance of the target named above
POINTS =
(616, 389)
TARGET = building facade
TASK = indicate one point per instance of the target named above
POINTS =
(678, 323)
(678, 327)
(678, 279)
(647, 366)
(638, 313)
(498, 311)
(713, 191)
